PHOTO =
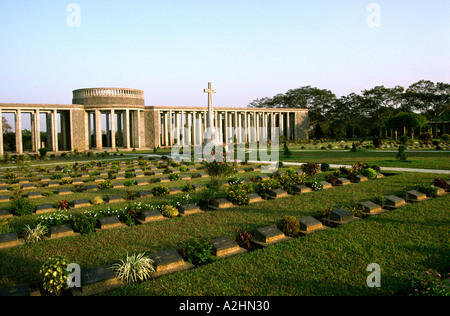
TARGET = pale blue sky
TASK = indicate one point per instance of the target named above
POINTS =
(249, 49)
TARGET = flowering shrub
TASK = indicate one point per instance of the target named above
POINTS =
(160, 190)
(106, 184)
(63, 205)
(441, 183)
(169, 211)
(290, 180)
(97, 200)
(315, 185)
(219, 168)
(428, 283)
(237, 194)
(332, 178)
(84, 223)
(263, 187)
(54, 275)
(54, 219)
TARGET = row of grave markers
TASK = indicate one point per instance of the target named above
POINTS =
(12, 239)
(102, 279)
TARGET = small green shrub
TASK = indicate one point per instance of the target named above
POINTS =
(169, 211)
(263, 187)
(237, 194)
(106, 184)
(54, 275)
(21, 206)
(98, 200)
(84, 224)
(160, 190)
(324, 167)
(369, 173)
(174, 177)
(183, 169)
(290, 226)
(198, 252)
(427, 189)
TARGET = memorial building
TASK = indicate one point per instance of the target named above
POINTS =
(102, 119)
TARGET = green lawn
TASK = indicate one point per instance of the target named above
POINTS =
(329, 262)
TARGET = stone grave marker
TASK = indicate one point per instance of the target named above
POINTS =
(309, 225)
(326, 185)
(150, 216)
(139, 175)
(268, 235)
(28, 186)
(81, 203)
(168, 261)
(60, 231)
(92, 187)
(98, 179)
(53, 184)
(370, 208)
(198, 186)
(44, 179)
(4, 198)
(141, 182)
(119, 177)
(277, 193)
(220, 203)
(34, 195)
(301, 189)
(240, 170)
(440, 191)
(110, 222)
(263, 177)
(115, 198)
(342, 181)
(338, 217)
(97, 280)
(5, 214)
(415, 196)
(379, 175)
(253, 198)
(164, 179)
(9, 240)
(77, 181)
(118, 185)
(188, 209)
(225, 247)
(359, 178)
(174, 190)
(145, 194)
(44, 208)
(393, 201)
(64, 191)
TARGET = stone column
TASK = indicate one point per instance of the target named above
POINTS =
(126, 130)
(55, 130)
(171, 129)
(1, 133)
(19, 148)
(113, 129)
(98, 130)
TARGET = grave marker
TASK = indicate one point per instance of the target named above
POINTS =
(253, 198)
(342, 181)
(393, 201)
(225, 247)
(110, 222)
(34, 195)
(188, 209)
(277, 193)
(60, 231)
(5, 214)
(220, 203)
(10, 240)
(338, 217)
(370, 208)
(268, 235)
(97, 280)
(301, 189)
(81, 203)
(168, 261)
(415, 196)
(309, 225)
(44, 208)
(115, 198)
(150, 216)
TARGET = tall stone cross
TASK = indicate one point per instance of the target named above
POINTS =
(210, 92)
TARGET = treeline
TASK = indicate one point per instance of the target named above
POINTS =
(370, 113)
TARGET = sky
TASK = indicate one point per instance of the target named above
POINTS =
(248, 49)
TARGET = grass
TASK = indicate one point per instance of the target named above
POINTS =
(327, 263)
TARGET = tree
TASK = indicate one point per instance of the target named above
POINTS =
(431, 99)
(6, 127)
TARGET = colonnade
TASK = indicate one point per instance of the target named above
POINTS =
(51, 123)
(188, 127)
